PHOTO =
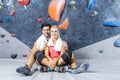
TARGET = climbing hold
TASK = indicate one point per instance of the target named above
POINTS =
(91, 4)
(65, 24)
(34, 2)
(13, 35)
(12, 5)
(48, 18)
(111, 23)
(13, 56)
(6, 19)
(1, 3)
(95, 13)
(9, 2)
(113, 0)
(12, 13)
(7, 41)
(23, 2)
(2, 35)
(55, 9)
(101, 51)
(117, 43)
(24, 55)
(0, 6)
(40, 19)
(72, 3)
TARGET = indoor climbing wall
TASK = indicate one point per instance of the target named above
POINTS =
(82, 22)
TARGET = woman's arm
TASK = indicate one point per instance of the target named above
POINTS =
(51, 62)
(63, 50)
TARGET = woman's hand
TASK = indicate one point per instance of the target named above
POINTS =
(51, 64)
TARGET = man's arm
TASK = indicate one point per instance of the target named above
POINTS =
(34, 49)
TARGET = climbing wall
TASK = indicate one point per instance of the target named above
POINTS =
(11, 47)
(90, 21)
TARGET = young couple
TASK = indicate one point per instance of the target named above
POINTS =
(51, 53)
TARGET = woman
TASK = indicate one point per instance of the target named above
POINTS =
(56, 56)
(56, 47)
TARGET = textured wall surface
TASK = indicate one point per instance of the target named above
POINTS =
(84, 29)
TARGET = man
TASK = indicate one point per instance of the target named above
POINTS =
(39, 45)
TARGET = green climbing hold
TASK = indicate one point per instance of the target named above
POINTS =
(113, 0)
(0, 6)
(72, 3)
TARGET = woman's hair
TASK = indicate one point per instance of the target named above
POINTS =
(55, 26)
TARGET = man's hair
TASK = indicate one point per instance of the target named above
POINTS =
(45, 24)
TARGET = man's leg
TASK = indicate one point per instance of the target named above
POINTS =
(31, 59)
(71, 60)
(41, 59)
(65, 59)
(26, 70)
(43, 62)
(62, 63)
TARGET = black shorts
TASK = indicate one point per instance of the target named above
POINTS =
(67, 57)
(39, 56)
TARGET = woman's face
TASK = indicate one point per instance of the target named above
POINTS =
(54, 33)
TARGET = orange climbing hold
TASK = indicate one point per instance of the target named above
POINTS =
(65, 24)
(55, 9)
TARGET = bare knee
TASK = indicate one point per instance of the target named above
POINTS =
(61, 62)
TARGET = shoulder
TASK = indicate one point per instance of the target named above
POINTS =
(65, 45)
(39, 37)
(64, 42)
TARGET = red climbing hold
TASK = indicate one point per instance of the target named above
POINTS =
(12, 13)
(13, 35)
(23, 2)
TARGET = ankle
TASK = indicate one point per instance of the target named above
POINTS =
(28, 66)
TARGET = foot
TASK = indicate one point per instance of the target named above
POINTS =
(24, 70)
(61, 69)
(81, 68)
(44, 69)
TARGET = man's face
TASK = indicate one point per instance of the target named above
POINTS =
(46, 31)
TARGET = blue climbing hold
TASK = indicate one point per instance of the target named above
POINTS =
(91, 4)
(117, 43)
(112, 23)
(6, 19)
(34, 2)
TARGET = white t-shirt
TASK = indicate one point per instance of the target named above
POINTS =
(41, 42)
